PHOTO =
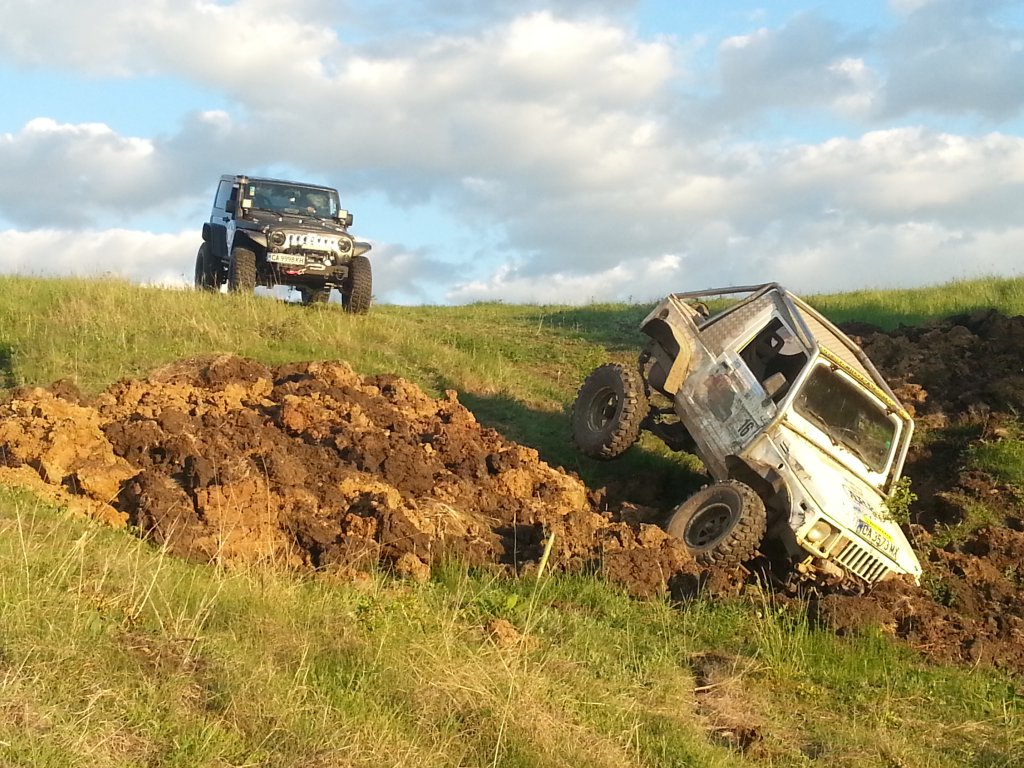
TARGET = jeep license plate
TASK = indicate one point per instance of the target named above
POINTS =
(287, 258)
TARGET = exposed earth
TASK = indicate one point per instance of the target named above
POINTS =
(312, 466)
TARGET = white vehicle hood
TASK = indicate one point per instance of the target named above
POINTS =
(847, 499)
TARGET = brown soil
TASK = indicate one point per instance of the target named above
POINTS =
(311, 466)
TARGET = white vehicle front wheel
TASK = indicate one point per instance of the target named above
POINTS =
(722, 524)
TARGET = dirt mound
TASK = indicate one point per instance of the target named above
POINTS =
(312, 466)
(963, 367)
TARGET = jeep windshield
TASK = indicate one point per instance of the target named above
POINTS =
(834, 403)
(293, 199)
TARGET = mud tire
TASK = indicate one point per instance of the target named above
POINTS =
(722, 524)
(207, 271)
(358, 292)
(315, 295)
(608, 412)
(242, 278)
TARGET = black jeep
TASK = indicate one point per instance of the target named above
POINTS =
(274, 232)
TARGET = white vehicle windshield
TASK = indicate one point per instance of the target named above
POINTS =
(293, 200)
(847, 415)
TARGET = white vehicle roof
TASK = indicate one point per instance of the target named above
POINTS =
(815, 330)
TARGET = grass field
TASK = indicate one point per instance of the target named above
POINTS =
(112, 653)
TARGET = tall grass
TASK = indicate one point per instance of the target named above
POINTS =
(891, 308)
(95, 331)
(115, 654)
(516, 367)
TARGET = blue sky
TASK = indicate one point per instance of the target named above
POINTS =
(549, 152)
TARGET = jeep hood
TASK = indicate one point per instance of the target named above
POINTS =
(310, 223)
(848, 500)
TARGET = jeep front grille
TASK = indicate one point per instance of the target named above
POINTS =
(861, 562)
(304, 241)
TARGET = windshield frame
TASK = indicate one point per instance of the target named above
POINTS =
(289, 199)
(836, 437)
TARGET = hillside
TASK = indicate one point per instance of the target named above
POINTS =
(403, 622)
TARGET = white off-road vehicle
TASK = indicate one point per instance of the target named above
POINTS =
(804, 439)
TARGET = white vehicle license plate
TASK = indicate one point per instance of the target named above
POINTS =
(287, 258)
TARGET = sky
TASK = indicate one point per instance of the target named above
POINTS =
(558, 152)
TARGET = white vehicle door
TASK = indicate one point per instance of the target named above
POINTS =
(724, 407)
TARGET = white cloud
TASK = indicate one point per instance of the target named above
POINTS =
(809, 62)
(909, 173)
(833, 253)
(59, 173)
(843, 253)
(142, 257)
(643, 280)
(957, 58)
(909, 6)
(242, 43)
(422, 120)
(888, 207)
(408, 276)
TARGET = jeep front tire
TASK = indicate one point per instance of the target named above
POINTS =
(358, 290)
(609, 410)
(242, 277)
(722, 524)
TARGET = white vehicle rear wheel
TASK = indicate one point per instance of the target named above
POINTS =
(609, 410)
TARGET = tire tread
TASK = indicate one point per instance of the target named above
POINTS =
(742, 541)
(359, 286)
(616, 438)
(243, 271)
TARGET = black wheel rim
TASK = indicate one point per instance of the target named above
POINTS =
(603, 409)
(709, 525)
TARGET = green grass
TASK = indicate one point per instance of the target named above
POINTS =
(115, 654)
(96, 331)
(889, 309)
(1002, 459)
(112, 653)
(517, 367)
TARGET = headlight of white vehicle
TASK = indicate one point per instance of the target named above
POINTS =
(820, 531)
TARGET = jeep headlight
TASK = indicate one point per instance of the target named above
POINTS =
(344, 245)
(820, 531)
(277, 239)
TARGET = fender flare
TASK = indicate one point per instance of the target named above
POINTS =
(217, 237)
(763, 478)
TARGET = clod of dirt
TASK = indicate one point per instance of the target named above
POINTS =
(963, 367)
(313, 466)
(502, 633)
